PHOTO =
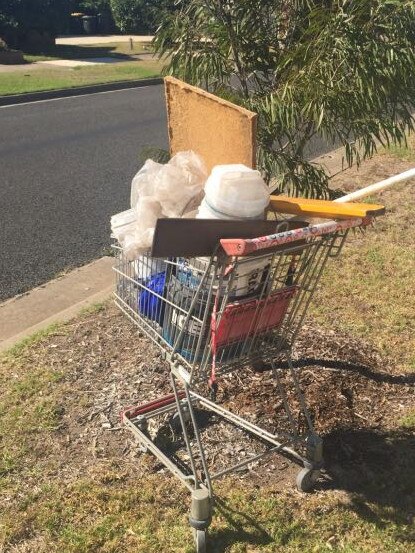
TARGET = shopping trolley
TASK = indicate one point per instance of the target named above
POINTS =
(211, 316)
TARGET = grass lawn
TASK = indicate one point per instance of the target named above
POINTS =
(52, 78)
(369, 290)
(72, 481)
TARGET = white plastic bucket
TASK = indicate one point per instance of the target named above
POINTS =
(236, 191)
(206, 211)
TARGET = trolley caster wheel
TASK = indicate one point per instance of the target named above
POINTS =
(200, 517)
(200, 540)
(306, 479)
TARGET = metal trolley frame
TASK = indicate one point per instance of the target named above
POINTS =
(209, 316)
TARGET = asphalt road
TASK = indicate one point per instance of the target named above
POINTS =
(65, 167)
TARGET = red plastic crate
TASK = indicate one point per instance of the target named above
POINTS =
(245, 318)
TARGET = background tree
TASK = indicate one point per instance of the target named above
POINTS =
(8, 23)
(341, 69)
(140, 16)
(92, 7)
(18, 18)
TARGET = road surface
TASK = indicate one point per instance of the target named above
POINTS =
(65, 167)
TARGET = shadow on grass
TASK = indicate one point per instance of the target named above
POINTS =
(240, 528)
(363, 370)
(62, 51)
(376, 467)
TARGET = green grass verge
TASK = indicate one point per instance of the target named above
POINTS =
(16, 351)
(26, 408)
(408, 420)
(35, 80)
(367, 291)
(405, 153)
(111, 516)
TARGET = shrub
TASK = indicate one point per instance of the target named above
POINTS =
(18, 18)
(342, 70)
(139, 16)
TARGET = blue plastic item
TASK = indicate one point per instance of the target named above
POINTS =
(150, 305)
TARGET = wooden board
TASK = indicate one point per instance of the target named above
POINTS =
(219, 131)
(323, 208)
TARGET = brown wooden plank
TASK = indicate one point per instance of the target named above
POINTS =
(219, 131)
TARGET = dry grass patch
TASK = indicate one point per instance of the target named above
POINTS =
(368, 291)
(73, 480)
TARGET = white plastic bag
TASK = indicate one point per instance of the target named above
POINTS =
(148, 210)
(143, 182)
(179, 182)
(157, 190)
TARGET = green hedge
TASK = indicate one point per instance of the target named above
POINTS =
(19, 18)
(139, 16)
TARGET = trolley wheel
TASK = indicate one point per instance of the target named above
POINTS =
(306, 479)
(200, 540)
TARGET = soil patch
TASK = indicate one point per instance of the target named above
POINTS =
(106, 365)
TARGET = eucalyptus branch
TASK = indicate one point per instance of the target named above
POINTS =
(241, 74)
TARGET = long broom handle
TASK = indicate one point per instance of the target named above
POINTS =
(373, 188)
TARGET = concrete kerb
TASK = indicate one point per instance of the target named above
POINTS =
(63, 298)
(61, 317)
(58, 300)
(14, 99)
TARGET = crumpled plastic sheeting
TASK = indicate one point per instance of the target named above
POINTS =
(157, 190)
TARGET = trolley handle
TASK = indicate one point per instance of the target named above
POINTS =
(241, 246)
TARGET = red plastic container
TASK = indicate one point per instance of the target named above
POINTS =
(251, 317)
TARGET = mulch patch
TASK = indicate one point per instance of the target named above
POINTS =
(354, 396)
